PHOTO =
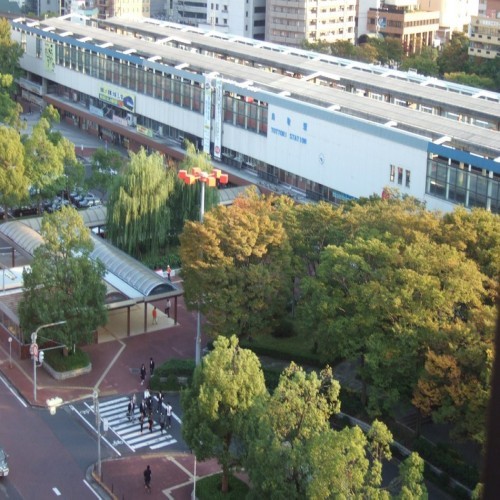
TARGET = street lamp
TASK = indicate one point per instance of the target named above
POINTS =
(34, 350)
(209, 178)
(10, 352)
(95, 396)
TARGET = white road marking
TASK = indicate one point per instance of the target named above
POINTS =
(91, 489)
(56, 491)
(6, 383)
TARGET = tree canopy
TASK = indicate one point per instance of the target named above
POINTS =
(138, 215)
(225, 386)
(236, 267)
(63, 282)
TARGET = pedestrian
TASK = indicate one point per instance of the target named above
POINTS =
(169, 272)
(147, 479)
(132, 403)
(160, 401)
(169, 414)
(167, 308)
(155, 314)
(142, 408)
(129, 410)
(162, 422)
(151, 366)
(150, 422)
(141, 421)
(143, 373)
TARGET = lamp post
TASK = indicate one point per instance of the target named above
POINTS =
(10, 352)
(35, 351)
(209, 178)
(95, 395)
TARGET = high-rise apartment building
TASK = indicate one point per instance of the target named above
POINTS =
(292, 22)
(403, 20)
(112, 8)
(485, 31)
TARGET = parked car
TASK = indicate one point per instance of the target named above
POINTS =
(4, 466)
(87, 200)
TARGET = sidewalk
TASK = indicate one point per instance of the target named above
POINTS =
(115, 371)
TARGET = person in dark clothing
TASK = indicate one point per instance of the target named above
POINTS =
(129, 410)
(141, 420)
(147, 478)
(160, 401)
(162, 422)
(143, 373)
(151, 367)
(150, 422)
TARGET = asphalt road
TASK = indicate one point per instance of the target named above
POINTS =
(48, 455)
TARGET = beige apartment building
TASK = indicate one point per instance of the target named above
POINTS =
(415, 28)
(485, 31)
(292, 22)
(133, 8)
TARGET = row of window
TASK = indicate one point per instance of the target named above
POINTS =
(163, 86)
(471, 188)
(398, 174)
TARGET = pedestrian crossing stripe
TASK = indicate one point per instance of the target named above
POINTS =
(115, 412)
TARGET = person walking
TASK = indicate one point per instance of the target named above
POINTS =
(151, 367)
(134, 404)
(162, 422)
(129, 410)
(169, 414)
(150, 422)
(169, 272)
(143, 373)
(147, 479)
(141, 421)
(167, 308)
(155, 316)
(160, 401)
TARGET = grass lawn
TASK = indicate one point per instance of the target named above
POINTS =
(298, 348)
(208, 488)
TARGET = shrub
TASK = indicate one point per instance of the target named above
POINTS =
(166, 377)
(60, 363)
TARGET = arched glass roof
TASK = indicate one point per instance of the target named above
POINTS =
(129, 270)
(24, 236)
(21, 236)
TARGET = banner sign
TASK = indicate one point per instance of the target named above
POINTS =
(116, 97)
(207, 115)
(49, 56)
(218, 119)
(144, 130)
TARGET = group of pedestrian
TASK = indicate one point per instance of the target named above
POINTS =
(154, 312)
(151, 370)
(147, 410)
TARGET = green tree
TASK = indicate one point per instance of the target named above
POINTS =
(454, 57)
(225, 386)
(63, 282)
(10, 54)
(46, 155)
(236, 267)
(298, 411)
(13, 181)
(138, 215)
(425, 62)
(105, 166)
(411, 477)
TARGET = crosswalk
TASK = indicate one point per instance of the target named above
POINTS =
(128, 431)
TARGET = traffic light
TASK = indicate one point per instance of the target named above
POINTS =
(41, 355)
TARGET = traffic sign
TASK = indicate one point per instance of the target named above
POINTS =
(34, 349)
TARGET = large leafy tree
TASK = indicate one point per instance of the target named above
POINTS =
(106, 164)
(298, 411)
(13, 181)
(138, 215)
(10, 53)
(236, 267)
(47, 153)
(225, 386)
(63, 282)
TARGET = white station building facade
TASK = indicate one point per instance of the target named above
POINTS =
(316, 126)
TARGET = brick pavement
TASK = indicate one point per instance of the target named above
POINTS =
(115, 367)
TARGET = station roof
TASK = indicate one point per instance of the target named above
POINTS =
(266, 71)
(125, 274)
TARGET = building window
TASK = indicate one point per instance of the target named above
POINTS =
(400, 175)
(393, 173)
(407, 181)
